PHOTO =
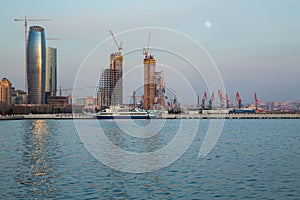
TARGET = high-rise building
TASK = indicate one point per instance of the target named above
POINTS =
(116, 79)
(149, 81)
(51, 71)
(5, 92)
(36, 65)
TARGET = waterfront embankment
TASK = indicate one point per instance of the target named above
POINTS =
(161, 116)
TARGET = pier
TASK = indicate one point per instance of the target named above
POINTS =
(230, 116)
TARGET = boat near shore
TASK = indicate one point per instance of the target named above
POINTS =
(116, 112)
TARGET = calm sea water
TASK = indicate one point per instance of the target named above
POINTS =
(255, 159)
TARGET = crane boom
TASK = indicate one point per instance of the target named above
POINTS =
(52, 39)
(146, 50)
(118, 46)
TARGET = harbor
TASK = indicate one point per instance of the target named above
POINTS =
(158, 116)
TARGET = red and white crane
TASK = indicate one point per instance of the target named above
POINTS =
(239, 100)
(227, 101)
(203, 100)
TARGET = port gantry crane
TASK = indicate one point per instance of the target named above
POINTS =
(203, 100)
(211, 101)
(256, 102)
(221, 98)
(239, 100)
(26, 20)
(119, 46)
(227, 101)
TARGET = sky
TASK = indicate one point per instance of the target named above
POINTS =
(253, 45)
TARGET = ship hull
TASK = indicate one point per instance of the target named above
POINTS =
(242, 111)
(122, 117)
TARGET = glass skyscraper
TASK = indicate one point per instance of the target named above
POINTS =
(51, 71)
(36, 65)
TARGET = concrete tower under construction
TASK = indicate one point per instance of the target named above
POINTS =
(110, 91)
(116, 79)
(149, 81)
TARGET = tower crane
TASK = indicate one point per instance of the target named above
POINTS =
(119, 46)
(26, 20)
(146, 50)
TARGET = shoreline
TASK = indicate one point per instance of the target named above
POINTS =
(162, 116)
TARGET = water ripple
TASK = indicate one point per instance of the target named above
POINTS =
(254, 159)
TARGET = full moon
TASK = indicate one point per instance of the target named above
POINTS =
(207, 24)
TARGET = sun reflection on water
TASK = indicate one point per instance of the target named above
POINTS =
(36, 168)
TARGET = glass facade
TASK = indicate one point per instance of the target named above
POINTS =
(36, 65)
(51, 71)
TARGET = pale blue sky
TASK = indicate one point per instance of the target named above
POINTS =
(255, 44)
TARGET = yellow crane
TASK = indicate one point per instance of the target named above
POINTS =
(146, 50)
(26, 20)
(119, 46)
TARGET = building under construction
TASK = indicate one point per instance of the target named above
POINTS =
(149, 81)
(110, 91)
(104, 98)
(149, 77)
(116, 80)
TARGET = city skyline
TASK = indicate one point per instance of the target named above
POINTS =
(254, 44)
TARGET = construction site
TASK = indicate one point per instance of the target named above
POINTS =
(154, 95)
